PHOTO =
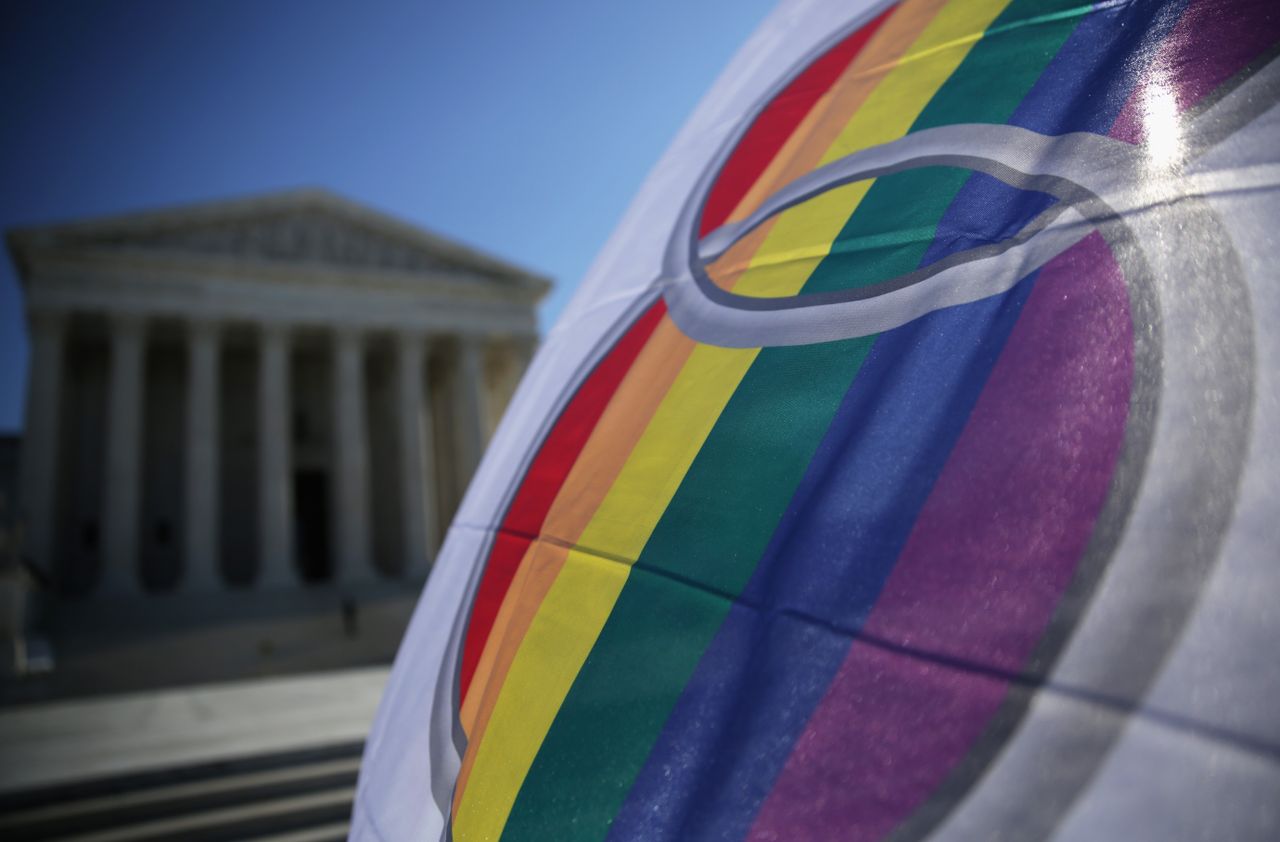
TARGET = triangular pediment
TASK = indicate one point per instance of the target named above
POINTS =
(303, 235)
(309, 228)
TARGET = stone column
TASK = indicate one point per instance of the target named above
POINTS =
(516, 354)
(351, 460)
(201, 558)
(470, 408)
(39, 486)
(275, 493)
(417, 477)
(120, 574)
(523, 348)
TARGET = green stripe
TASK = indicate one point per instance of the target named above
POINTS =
(720, 520)
(897, 219)
(712, 534)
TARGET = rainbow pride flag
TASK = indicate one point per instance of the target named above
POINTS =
(906, 466)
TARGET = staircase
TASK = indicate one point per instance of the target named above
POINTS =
(291, 796)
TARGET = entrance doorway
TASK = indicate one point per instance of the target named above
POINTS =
(311, 525)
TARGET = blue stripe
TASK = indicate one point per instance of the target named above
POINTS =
(777, 651)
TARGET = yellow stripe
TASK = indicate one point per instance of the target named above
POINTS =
(801, 237)
(575, 609)
(579, 603)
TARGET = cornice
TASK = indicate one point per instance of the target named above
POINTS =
(143, 266)
(222, 237)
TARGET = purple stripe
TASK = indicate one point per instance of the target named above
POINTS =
(1039, 451)
(770, 664)
(1211, 43)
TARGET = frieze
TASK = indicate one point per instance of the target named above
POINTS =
(300, 236)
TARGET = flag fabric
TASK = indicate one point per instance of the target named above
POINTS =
(906, 465)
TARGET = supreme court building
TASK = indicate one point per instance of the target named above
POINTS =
(256, 394)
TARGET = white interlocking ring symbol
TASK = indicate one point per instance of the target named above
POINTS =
(1097, 180)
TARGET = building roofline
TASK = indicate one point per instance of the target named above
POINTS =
(22, 241)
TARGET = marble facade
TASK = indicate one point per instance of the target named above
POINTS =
(257, 393)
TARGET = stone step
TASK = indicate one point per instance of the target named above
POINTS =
(233, 823)
(292, 796)
(336, 832)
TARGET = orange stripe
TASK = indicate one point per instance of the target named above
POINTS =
(652, 375)
(592, 475)
(822, 126)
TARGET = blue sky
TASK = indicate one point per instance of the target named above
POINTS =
(523, 128)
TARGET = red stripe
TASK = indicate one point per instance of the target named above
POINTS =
(776, 123)
(542, 483)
